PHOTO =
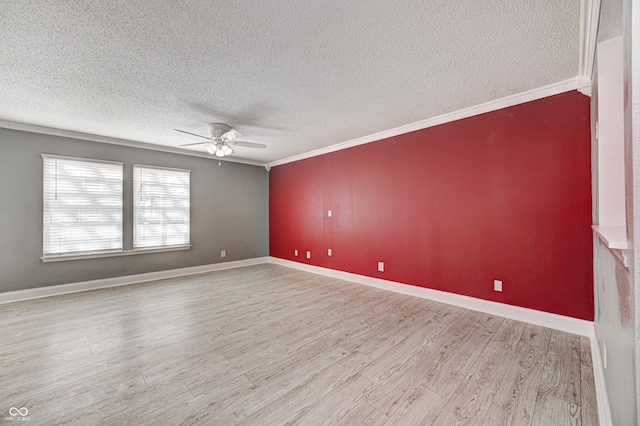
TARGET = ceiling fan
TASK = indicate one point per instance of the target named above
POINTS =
(222, 138)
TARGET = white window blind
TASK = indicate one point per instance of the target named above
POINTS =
(161, 207)
(82, 206)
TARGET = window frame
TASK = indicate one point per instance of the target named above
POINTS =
(125, 199)
(86, 253)
(184, 245)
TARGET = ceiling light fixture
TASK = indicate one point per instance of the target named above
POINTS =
(219, 149)
(221, 139)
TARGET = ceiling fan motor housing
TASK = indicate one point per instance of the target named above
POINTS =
(218, 129)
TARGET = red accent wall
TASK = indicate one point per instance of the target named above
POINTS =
(503, 195)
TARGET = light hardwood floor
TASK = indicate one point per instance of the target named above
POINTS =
(269, 345)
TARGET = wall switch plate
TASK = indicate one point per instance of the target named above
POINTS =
(223, 253)
(329, 213)
(604, 354)
(497, 285)
(308, 255)
(329, 252)
(380, 266)
(295, 252)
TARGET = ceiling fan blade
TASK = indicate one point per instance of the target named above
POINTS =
(230, 135)
(192, 134)
(195, 143)
(248, 144)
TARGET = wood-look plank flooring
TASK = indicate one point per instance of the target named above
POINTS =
(269, 345)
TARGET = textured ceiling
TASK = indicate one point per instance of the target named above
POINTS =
(295, 75)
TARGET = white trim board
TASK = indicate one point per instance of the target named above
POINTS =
(507, 101)
(544, 319)
(56, 290)
(602, 398)
(589, 18)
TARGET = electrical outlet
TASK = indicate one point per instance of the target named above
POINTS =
(329, 213)
(329, 252)
(380, 266)
(223, 253)
(308, 255)
(295, 252)
(497, 285)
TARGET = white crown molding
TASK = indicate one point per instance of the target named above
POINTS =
(532, 316)
(589, 18)
(507, 101)
(577, 83)
(56, 290)
(585, 86)
(12, 125)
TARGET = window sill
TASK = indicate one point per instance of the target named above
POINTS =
(613, 236)
(62, 258)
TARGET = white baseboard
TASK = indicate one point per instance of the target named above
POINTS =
(604, 409)
(544, 319)
(55, 290)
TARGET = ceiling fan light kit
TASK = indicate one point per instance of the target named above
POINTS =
(221, 139)
(219, 149)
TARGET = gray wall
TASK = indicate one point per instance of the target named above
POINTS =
(229, 210)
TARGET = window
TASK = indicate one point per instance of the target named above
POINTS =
(160, 207)
(82, 206)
